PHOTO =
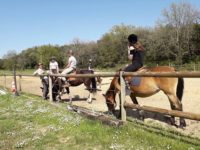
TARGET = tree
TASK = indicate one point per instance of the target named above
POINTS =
(45, 52)
(180, 19)
(112, 47)
(10, 59)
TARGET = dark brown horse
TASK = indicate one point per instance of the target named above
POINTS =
(90, 84)
(172, 88)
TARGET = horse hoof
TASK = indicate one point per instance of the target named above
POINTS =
(69, 107)
(58, 98)
(70, 102)
(89, 101)
(109, 113)
(141, 118)
(182, 124)
(141, 114)
(118, 116)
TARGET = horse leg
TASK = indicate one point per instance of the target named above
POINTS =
(99, 80)
(176, 105)
(45, 90)
(90, 89)
(60, 85)
(89, 99)
(133, 98)
(172, 118)
(70, 97)
(139, 112)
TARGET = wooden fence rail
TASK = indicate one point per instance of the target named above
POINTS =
(174, 113)
(184, 74)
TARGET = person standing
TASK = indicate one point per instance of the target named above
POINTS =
(44, 80)
(90, 64)
(53, 66)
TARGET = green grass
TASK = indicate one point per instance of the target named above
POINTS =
(28, 122)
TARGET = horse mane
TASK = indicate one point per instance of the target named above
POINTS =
(114, 86)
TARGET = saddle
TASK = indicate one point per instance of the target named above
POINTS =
(135, 81)
(74, 72)
(143, 69)
(68, 79)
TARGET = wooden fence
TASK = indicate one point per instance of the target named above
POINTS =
(187, 115)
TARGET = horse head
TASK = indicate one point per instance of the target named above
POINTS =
(111, 94)
(110, 100)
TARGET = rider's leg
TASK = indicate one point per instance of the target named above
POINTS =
(66, 71)
(131, 68)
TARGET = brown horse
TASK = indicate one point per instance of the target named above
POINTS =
(172, 88)
(90, 84)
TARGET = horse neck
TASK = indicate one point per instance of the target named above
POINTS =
(115, 84)
(112, 89)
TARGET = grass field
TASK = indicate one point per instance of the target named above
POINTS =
(28, 122)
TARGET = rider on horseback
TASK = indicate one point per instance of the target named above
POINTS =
(135, 54)
(71, 66)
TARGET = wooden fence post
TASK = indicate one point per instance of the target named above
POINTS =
(4, 81)
(194, 67)
(122, 97)
(15, 81)
(50, 89)
(20, 86)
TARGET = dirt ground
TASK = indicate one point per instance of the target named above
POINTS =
(191, 100)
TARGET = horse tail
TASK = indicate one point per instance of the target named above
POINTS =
(94, 85)
(179, 89)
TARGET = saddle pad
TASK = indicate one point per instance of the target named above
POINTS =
(135, 81)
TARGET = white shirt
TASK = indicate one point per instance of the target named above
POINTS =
(72, 62)
(130, 56)
(39, 71)
(53, 65)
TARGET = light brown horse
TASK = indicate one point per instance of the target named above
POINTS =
(172, 88)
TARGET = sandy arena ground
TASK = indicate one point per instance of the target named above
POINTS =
(191, 100)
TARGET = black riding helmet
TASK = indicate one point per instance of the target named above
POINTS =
(53, 58)
(132, 38)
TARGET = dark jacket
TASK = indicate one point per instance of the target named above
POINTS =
(137, 60)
